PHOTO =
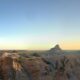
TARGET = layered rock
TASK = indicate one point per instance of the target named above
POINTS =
(16, 67)
(56, 50)
(21, 68)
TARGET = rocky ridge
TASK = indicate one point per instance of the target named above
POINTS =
(16, 67)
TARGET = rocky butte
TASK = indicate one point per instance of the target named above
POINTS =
(14, 66)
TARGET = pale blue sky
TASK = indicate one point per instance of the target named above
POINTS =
(42, 23)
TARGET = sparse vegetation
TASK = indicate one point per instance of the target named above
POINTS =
(35, 66)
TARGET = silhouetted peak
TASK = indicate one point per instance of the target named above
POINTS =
(57, 47)
(56, 50)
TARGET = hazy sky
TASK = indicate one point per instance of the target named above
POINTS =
(39, 24)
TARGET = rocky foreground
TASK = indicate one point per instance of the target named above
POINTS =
(55, 67)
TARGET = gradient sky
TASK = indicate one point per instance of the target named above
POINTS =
(39, 24)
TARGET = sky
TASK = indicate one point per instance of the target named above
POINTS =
(39, 24)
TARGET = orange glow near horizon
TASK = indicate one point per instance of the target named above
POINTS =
(65, 45)
(70, 46)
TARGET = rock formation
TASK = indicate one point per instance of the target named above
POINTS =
(56, 50)
(16, 67)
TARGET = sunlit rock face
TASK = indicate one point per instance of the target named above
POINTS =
(12, 55)
(10, 68)
(21, 68)
(17, 67)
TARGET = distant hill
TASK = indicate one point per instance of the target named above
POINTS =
(55, 51)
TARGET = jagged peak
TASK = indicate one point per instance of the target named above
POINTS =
(57, 47)
(56, 50)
